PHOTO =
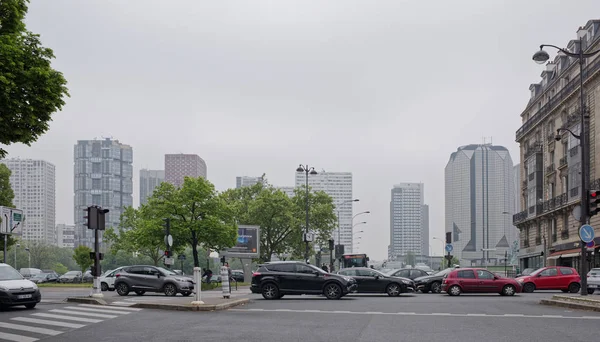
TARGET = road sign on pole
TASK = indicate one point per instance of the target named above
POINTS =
(586, 233)
(449, 248)
(591, 244)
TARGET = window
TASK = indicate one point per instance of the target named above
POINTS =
(483, 274)
(135, 270)
(549, 272)
(416, 273)
(402, 273)
(304, 269)
(466, 274)
(365, 273)
(566, 271)
(287, 268)
(348, 272)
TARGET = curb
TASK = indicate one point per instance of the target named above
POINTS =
(86, 300)
(570, 305)
(189, 307)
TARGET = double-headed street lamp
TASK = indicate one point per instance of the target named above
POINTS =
(307, 170)
(542, 57)
(339, 229)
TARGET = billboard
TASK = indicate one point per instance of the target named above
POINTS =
(12, 220)
(247, 244)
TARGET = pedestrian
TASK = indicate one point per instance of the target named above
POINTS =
(324, 267)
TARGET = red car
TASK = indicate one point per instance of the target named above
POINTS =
(552, 278)
(478, 280)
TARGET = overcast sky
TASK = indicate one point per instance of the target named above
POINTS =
(384, 89)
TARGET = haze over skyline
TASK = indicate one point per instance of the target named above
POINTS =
(386, 90)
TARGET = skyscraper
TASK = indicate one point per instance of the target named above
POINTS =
(65, 235)
(179, 166)
(247, 181)
(149, 179)
(409, 228)
(103, 176)
(479, 199)
(33, 182)
(338, 185)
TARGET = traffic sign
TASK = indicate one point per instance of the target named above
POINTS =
(169, 240)
(591, 244)
(181, 257)
(169, 261)
(449, 248)
(586, 233)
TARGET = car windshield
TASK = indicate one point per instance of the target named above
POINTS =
(106, 273)
(40, 276)
(444, 272)
(528, 271)
(166, 271)
(9, 273)
(536, 272)
(72, 273)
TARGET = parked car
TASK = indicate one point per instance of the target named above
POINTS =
(237, 275)
(87, 277)
(593, 280)
(41, 278)
(410, 273)
(16, 290)
(561, 278)
(432, 282)
(372, 281)
(141, 279)
(107, 280)
(276, 279)
(70, 277)
(526, 272)
(29, 272)
(478, 280)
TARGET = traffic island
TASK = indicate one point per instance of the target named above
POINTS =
(573, 302)
(212, 304)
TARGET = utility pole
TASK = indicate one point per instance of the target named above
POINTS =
(96, 220)
(168, 260)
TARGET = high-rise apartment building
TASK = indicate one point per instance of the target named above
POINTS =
(179, 166)
(103, 176)
(409, 225)
(65, 235)
(338, 185)
(288, 190)
(550, 170)
(149, 180)
(34, 185)
(247, 181)
(479, 197)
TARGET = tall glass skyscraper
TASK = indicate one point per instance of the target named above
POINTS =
(409, 221)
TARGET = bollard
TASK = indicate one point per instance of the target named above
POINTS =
(197, 286)
(225, 282)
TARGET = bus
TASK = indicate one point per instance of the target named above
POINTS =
(355, 260)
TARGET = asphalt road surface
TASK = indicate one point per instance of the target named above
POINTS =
(419, 317)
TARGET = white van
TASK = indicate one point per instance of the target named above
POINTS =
(28, 273)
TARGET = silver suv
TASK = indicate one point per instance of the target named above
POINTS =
(142, 279)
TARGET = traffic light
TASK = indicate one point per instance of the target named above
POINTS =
(331, 241)
(448, 237)
(167, 254)
(91, 217)
(594, 200)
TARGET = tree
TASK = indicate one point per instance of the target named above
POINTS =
(41, 255)
(81, 255)
(31, 91)
(455, 261)
(6, 192)
(199, 215)
(59, 268)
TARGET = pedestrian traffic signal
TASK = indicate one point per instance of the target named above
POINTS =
(167, 254)
(594, 200)
(95, 218)
(449, 237)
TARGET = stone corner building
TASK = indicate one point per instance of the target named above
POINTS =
(550, 169)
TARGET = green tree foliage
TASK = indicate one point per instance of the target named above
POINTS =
(30, 90)
(41, 255)
(6, 193)
(455, 261)
(59, 268)
(200, 217)
(81, 255)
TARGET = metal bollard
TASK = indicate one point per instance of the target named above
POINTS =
(197, 286)
(225, 282)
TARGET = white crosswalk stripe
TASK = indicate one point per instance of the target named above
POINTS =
(39, 324)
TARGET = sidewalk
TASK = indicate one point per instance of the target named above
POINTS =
(213, 300)
(574, 301)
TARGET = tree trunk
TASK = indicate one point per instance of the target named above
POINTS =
(195, 250)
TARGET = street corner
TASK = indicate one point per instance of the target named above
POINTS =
(210, 304)
(87, 300)
(573, 302)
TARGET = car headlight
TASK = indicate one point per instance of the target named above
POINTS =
(348, 279)
(520, 280)
(35, 287)
(406, 282)
(3, 288)
(180, 280)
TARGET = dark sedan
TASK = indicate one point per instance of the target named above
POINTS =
(372, 281)
(410, 273)
(432, 282)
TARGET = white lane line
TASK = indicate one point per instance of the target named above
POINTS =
(68, 318)
(441, 314)
(47, 322)
(111, 307)
(30, 329)
(283, 310)
(476, 315)
(514, 315)
(100, 311)
(17, 338)
(89, 314)
(258, 310)
(552, 316)
(346, 312)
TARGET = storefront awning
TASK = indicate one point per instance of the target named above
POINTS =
(569, 253)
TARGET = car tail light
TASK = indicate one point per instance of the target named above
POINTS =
(117, 275)
(255, 274)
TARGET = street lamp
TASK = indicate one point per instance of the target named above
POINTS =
(16, 247)
(443, 248)
(339, 241)
(307, 170)
(541, 57)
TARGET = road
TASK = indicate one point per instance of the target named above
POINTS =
(368, 318)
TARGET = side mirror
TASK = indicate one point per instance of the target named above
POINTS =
(316, 273)
(496, 278)
(377, 276)
(158, 275)
(539, 275)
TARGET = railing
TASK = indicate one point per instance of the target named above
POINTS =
(574, 192)
(520, 217)
(561, 95)
(562, 162)
(564, 234)
(550, 137)
(538, 240)
(550, 168)
(535, 147)
(532, 209)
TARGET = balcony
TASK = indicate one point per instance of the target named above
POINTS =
(538, 240)
(534, 148)
(550, 169)
(562, 162)
(554, 203)
(564, 234)
(574, 192)
(520, 217)
(550, 137)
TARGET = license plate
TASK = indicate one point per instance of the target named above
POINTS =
(24, 296)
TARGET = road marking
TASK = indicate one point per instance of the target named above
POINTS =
(69, 318)
(89, 314)
(123, 305)
(30, 329)
(111, 307)
(443, 314)
(47, 322)
(18, 338)
(98, 310)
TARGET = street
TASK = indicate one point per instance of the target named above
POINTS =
(418, 317)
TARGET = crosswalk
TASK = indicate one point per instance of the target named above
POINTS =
(53, 322)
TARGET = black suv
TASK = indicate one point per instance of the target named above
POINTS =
(276, 279)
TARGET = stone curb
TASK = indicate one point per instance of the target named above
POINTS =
(585, 300)
(570, 305)
(163, 306)
(86, 300)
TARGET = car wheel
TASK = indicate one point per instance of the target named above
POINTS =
(140, 293)
(436, 287)
(170, 290)
(104, 287)
(185, 294)
(591, 291)
(509, 290)
(454, 290)
(574, 287)
(393, 290)
(30, 305)
(122, 289)
(270, 291)
(332, 291)
(528, 288)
